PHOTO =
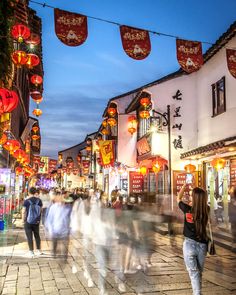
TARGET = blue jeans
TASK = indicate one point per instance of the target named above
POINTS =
(194, 258)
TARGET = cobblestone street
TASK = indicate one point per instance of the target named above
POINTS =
(167, 275)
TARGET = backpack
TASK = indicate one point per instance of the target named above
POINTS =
(34, 212)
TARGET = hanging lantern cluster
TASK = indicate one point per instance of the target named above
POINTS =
(145, 103)
(35, 133)
(111, 111)
(190, 168)
(11, 146)
(218, 163)
(111, 121)
(132, 124)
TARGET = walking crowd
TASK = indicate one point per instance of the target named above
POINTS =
(123, 226)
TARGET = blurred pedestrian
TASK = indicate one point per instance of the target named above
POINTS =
(31, 215)
(195, 233)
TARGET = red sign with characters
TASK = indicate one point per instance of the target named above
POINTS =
(135, 182)
(189, 55)
(231, 61)
(136, 42)
(71, 28)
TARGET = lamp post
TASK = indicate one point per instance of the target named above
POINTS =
(166, 123)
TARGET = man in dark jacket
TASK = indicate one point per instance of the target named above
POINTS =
(31, 215)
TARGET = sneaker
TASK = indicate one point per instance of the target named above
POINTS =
(38, 252)
(90, 283)
(30, 254)
(74, 269)
(121, 287)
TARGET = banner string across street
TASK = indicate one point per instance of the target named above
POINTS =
(72, 30)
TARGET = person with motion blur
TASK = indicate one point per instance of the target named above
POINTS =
(195, 233)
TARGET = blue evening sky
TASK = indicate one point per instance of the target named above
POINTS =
(78, 81)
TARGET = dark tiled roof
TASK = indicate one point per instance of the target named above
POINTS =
(209, 147)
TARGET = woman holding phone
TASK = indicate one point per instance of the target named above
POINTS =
(195, 233)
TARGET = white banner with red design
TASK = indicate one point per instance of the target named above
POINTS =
(107, 153)
(231, 61)
(71, 28)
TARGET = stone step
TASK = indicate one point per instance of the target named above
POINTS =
(225, 244)
(223, 235)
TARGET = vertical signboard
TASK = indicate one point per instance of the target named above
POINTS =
(233, 173)
(135, 182)
(44, 169)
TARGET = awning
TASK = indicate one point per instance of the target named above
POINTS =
(220, 146)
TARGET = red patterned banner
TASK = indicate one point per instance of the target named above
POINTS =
(136, 42)
(189, 55)
(231, 61)
(107, 152)
(71, 28)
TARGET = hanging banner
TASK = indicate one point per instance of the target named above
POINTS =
(71, 28)
(136, 42)
(189, 55)
(107, 154)
(231, 61)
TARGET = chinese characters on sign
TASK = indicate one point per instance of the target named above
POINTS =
(136, 182)
(178, 125)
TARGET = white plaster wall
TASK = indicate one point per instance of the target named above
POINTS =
(222, 126)
(126, 151)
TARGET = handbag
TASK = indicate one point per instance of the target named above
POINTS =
(211, 245)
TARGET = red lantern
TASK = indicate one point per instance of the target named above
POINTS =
(8, 100)
(19, 155)
(19, 58)
(20, 32)
(88, 148)
(144, 114)
(112, 122)
(3, 139)
(143, 170)
(218, 163)
(33, 60)
(37, 112)
(36, 96)
(145, 101)
(132, 125)
(12, 145)
(35, 137)
(35, 129)
(18, 170)
(36, 80)
(190, 168)
(105, 131)
(33, 40)
(104, 123)
(111, 111)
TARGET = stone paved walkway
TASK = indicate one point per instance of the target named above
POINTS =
(167, 276)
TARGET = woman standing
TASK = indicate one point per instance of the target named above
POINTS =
(195, 233)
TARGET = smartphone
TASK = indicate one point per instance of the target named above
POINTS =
(189, 178)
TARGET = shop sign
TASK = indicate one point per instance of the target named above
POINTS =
(178, 144)
(143, 146)
(233, 173)
(43, 169)
(135, 182)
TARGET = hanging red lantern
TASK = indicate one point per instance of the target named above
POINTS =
(105, 131)
(218, 163)
(20, 32)
(3, 139)
(18, 170)
(37, 112)
(132, 125)
(144, 114)
(8, 100)
(36, 80)
(145, 101)
(19, 58)
(143, 170)
(33, 40)
(35, 129)
(112, 122)
(190, 168)
(156, 167)
(19, 155)
(104, 123)
(33, 60)
(111, 112)
(36, 96)
(35, 137)
(12, 145)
